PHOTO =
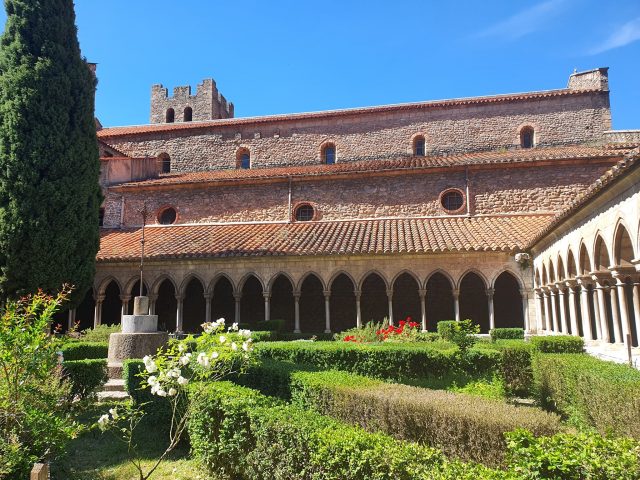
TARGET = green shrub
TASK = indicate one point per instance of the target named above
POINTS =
(515, 368)
(84, 350)
(264, 336)
(86, 376)
(590, 392)
(158, 409)
(100, 333)
(461, 333)
(507, 334)
(573, 456)
(558, 344)
(270, 377)
(269, 325)
(290, 336)
(239, 433)
(463, 426)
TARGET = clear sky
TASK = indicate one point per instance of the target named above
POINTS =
(292, 56)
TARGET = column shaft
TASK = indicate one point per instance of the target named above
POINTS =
(554, 311)
(327, 312)
(267, 306)
(636, 309)
(624, 309)
(525, 310)
(602, 314)
(358, 311)
(390, 299)
(456, 304)
(207, 309)
(492, 321)
(179, 303)
(296, 304)
(562, 305)
(573, 313)
(547, 310)
(615, 315)
(423, 309)
(585, 311)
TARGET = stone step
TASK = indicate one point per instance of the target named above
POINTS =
(114, 370)
(114, 385)
(103, 396)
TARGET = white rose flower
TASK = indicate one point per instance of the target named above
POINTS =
(223, 339)
(185, 359)
(103, 421)
(152, 380)
(161, 393)
(114, 413)
(181, 347)
(214, 355)
(245, 346)
(182, 381)
(172, 392)
(203, 359)
(234, 326)
(234, 347)
(245, 333)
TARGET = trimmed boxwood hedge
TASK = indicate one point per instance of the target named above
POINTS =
(84, 350)
(590, 392)
(558, 344)
(86, 376)
(462, 426)
(239, 433)
(385, 360)
(507, 334)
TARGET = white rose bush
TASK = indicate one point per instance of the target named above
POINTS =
(180, 366)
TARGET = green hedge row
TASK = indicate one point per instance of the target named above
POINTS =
(157, 408)
(507, 334)
(84, 350)
(467, 427)
(558, 344)
(239, 433)
(386, 360)
(591, 392)
(86, 376)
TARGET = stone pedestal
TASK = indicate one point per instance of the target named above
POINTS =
(139, 337)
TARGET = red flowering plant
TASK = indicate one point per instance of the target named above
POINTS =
(406, 331)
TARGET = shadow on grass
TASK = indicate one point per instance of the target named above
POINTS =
(102, 456)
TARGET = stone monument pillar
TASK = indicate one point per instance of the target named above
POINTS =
(139, 337)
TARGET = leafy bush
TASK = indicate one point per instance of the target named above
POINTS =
(100, 333)
(270, 377)
(516, 369)
(238, 433)
(464, 426)
(590, 392)
(289, 336)
(368, 333)
(461, 333)
(269, 325)
(86, 376)
(507, 334)
(573, 456)
(84, 350)
(558, 344)
(264, 336)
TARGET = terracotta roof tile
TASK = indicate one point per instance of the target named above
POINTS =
(404, 163)
(212, 124)
(416, 235)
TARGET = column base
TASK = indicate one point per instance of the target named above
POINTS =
(297, 331)
(327, 331)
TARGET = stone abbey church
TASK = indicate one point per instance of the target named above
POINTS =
(512, 210)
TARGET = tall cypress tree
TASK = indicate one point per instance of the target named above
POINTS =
(49, 167)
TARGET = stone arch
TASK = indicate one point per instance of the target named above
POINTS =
(572, 265)
(439, 301)
(104, 283)
(418, 144)
(473, 299)
(545, 278)
(193, 303)
(170, 115)
(601, 255)
(584, 260)
(374, 305)
(336, 274)
(623, 252)
(312, 310)
(343, 302)
(537, 277)
(507, 301)
(376, 272)
(251, 288)
(243, 158)
(165, 290)
(282, 303)
(111, 305)
(165, 162)
(223, 303)
(485, 280)
(133, 290)
(562, 273)
(275, 277)
(552, 272)
(187, 279)
(515, 275)
(304, 277)
(328, 152)
(406, 297)
(187, 114)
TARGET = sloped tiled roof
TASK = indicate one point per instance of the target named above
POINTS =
(416, 235)
(191, 126)
(629, 161)
(404, 163)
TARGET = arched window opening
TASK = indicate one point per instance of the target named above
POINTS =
(188, 114)
(585, 263)
(343, 304)
(167, 216)
(282, 302)
(329, 154)
(170, 116)
(419, 146)
(374, 304)
(243, 159)
(474, 303)
(623, 247)
(223, 303)
(507, 302)
(194, 307)
(526, 137)
(406, 299)
(166, 306)
(165, 163)
(601, 256)
(135, 291)
(439, 301)
(304, 213)
(111, 305)
(252, 302)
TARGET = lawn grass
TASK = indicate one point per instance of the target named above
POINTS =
(484, 386)
(101, 456)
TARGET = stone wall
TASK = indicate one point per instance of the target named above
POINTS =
(505, 190)
(579, 118)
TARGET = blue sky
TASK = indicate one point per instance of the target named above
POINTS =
(291, 56)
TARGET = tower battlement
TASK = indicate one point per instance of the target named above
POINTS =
(207, 104)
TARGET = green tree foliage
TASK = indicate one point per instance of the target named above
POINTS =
(49, 167)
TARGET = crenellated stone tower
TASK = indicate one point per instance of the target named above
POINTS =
(182, 106)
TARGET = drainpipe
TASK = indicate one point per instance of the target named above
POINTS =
(466, 187)
(289, 206)
(122, 212)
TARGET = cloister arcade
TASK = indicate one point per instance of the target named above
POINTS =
(312, 302)
(588, 283)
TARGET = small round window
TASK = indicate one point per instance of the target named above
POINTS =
(304, 213)
(167, 216)
(452, 200)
